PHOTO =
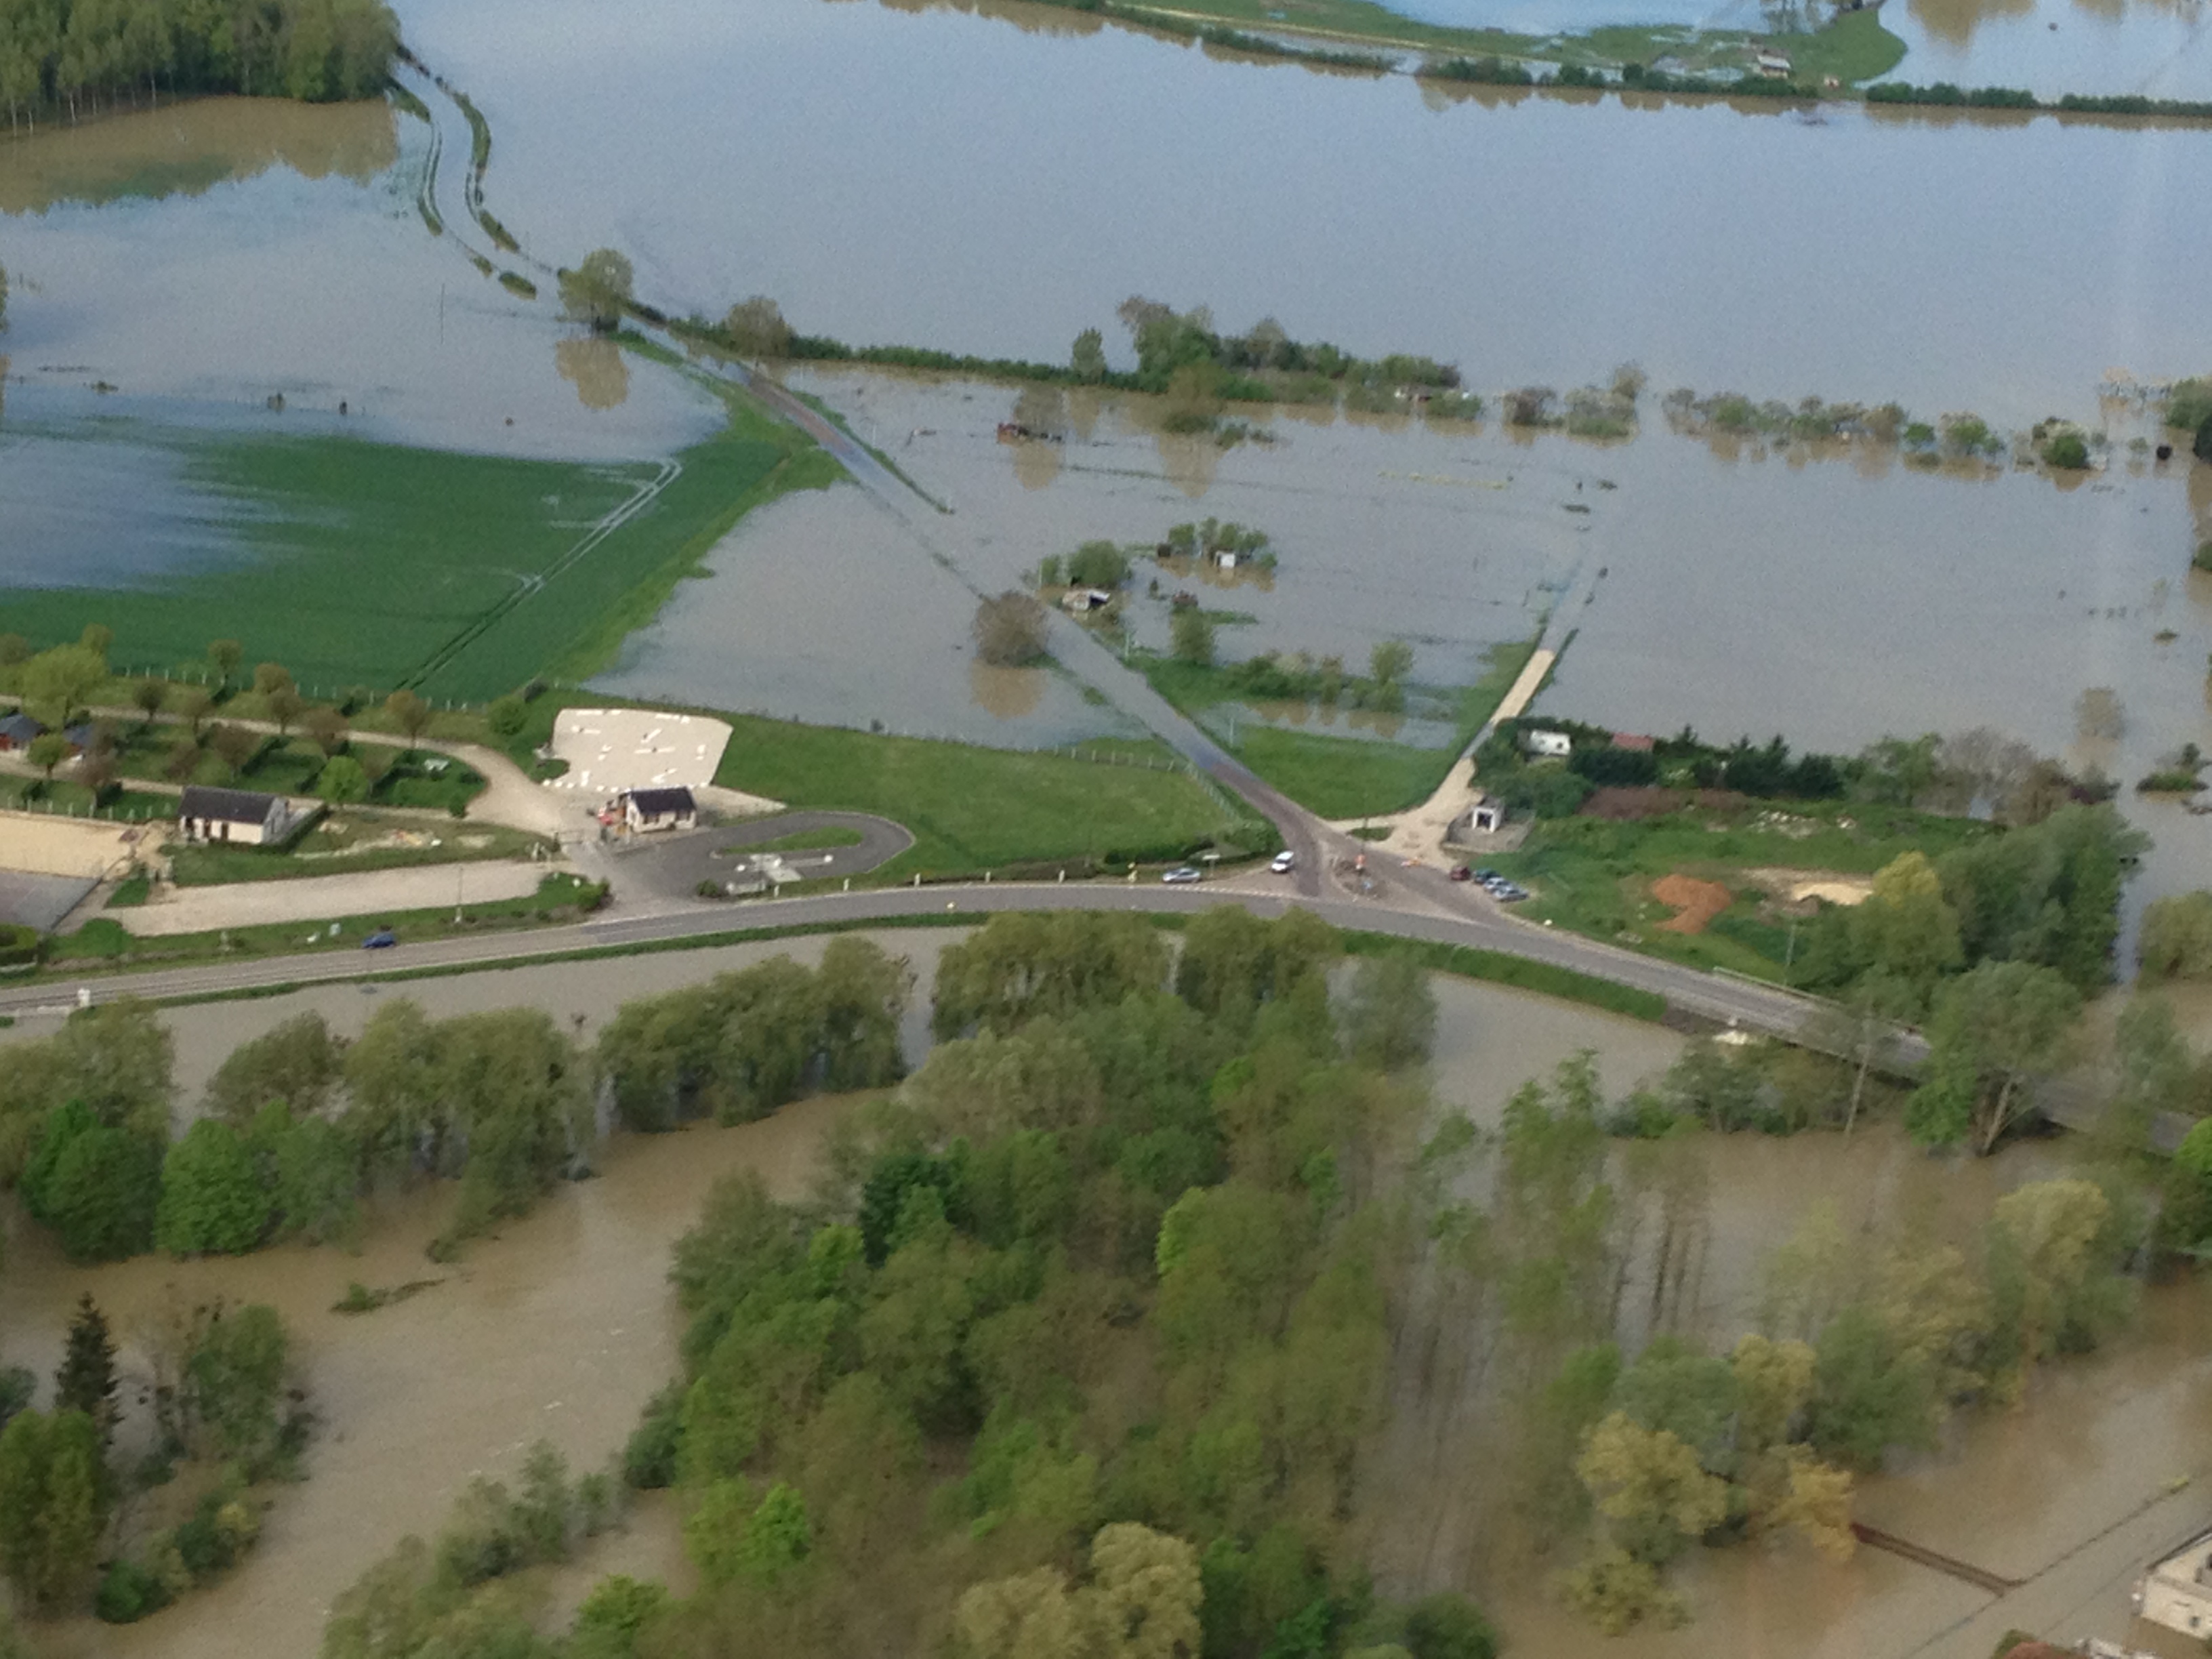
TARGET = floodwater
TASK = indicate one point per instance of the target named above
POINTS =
(197, 259)
(561, 1327)
(1013, 186)
(2155, 47)
(1834, 594)
(2072, 1491)
(821, 607)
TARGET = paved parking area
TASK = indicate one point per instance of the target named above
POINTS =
(41, 901)
(672, 866)
(609, 750)
(325, 898)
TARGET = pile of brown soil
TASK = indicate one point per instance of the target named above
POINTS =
(1624, 804)
(1694, 902)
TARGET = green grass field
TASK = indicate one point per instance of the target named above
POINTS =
(1593, 876)
(972, 810)
(1342, 777)
(376, 565)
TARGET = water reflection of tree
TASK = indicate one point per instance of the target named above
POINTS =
(1042, 410)
(1005, 694)
(1953, 21)
(596, 369)
(1190, 460)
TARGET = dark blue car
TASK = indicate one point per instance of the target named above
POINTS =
(379, 939)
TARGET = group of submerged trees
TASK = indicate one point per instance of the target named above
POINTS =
(78, 55)
(1098, 1334)
(298, 1125)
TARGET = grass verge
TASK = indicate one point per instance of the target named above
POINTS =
(104, 943)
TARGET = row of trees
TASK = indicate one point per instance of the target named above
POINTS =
(298, 1125)
(79, 54)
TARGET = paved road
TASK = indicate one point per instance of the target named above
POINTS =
(663, 867)
(1755, 1008)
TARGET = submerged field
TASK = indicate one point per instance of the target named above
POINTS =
(377, 565)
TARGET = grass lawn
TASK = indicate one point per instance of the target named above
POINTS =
(1341, 777)
(1595, 875)
(333, 847)
(801, 841)
(376, 565)
(102, 942)
(972, 809)
(21, 793)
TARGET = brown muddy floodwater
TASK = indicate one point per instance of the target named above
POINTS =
(2095, 1473)
(560, 1328)
(563, 1326)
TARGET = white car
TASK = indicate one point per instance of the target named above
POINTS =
(1181, 873)
(1286, 861)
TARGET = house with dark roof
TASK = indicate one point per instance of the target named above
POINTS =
(17, 731)
(238, 815)
(647, 810)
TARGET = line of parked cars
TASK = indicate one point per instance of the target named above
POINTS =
(1498, 887)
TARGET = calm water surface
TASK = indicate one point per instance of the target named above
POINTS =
(1009, 188)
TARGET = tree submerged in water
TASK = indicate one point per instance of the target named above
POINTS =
(72, 55)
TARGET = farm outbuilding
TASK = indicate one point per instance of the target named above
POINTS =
(649, 810)
(238, 815)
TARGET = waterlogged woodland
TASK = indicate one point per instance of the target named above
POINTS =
(1168, 1252)
(81, 58)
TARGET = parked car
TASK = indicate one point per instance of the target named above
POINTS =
(1485, 875)
(1461, 872)
(1182, 872)
(382, 938)
(1286, 861)
(1509, 894)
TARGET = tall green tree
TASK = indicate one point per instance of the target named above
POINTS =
(598, 291)
(1994, 1029)
(52, 1513)
(87, 1381)
(215, 1195)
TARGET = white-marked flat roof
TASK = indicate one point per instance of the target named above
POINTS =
(610, 750)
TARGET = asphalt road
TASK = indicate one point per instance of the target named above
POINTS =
(1755, 1008)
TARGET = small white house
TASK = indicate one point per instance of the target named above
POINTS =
(1081, 600)
(238, 815)
(647, 810)
(1227, 559)
(1771, 65)
(1547, 746)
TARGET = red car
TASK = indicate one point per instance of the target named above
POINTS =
(1461, 872)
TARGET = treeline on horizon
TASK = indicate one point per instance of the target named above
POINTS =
(80, 55)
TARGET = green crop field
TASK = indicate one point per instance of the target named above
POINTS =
(465, 576)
